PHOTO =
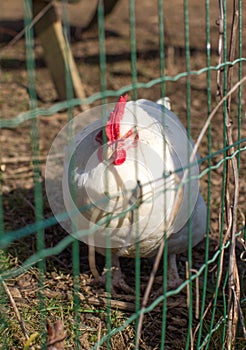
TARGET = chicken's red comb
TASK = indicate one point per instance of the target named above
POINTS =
(113, 125)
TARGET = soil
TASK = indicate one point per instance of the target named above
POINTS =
(16, 144)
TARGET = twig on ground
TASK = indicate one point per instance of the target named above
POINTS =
(197, 294)
(95, 300)
(16, 311)
(114, 304)
(187, 276)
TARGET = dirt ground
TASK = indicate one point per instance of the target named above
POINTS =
(16, 149)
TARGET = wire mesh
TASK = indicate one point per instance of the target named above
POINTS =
(196, 314)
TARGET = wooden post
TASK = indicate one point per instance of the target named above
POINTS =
(57, 52)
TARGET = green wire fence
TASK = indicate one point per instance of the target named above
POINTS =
(207, 311)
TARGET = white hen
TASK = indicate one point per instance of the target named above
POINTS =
(120, 176)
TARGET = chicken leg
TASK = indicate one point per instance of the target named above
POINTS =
(117, 277)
